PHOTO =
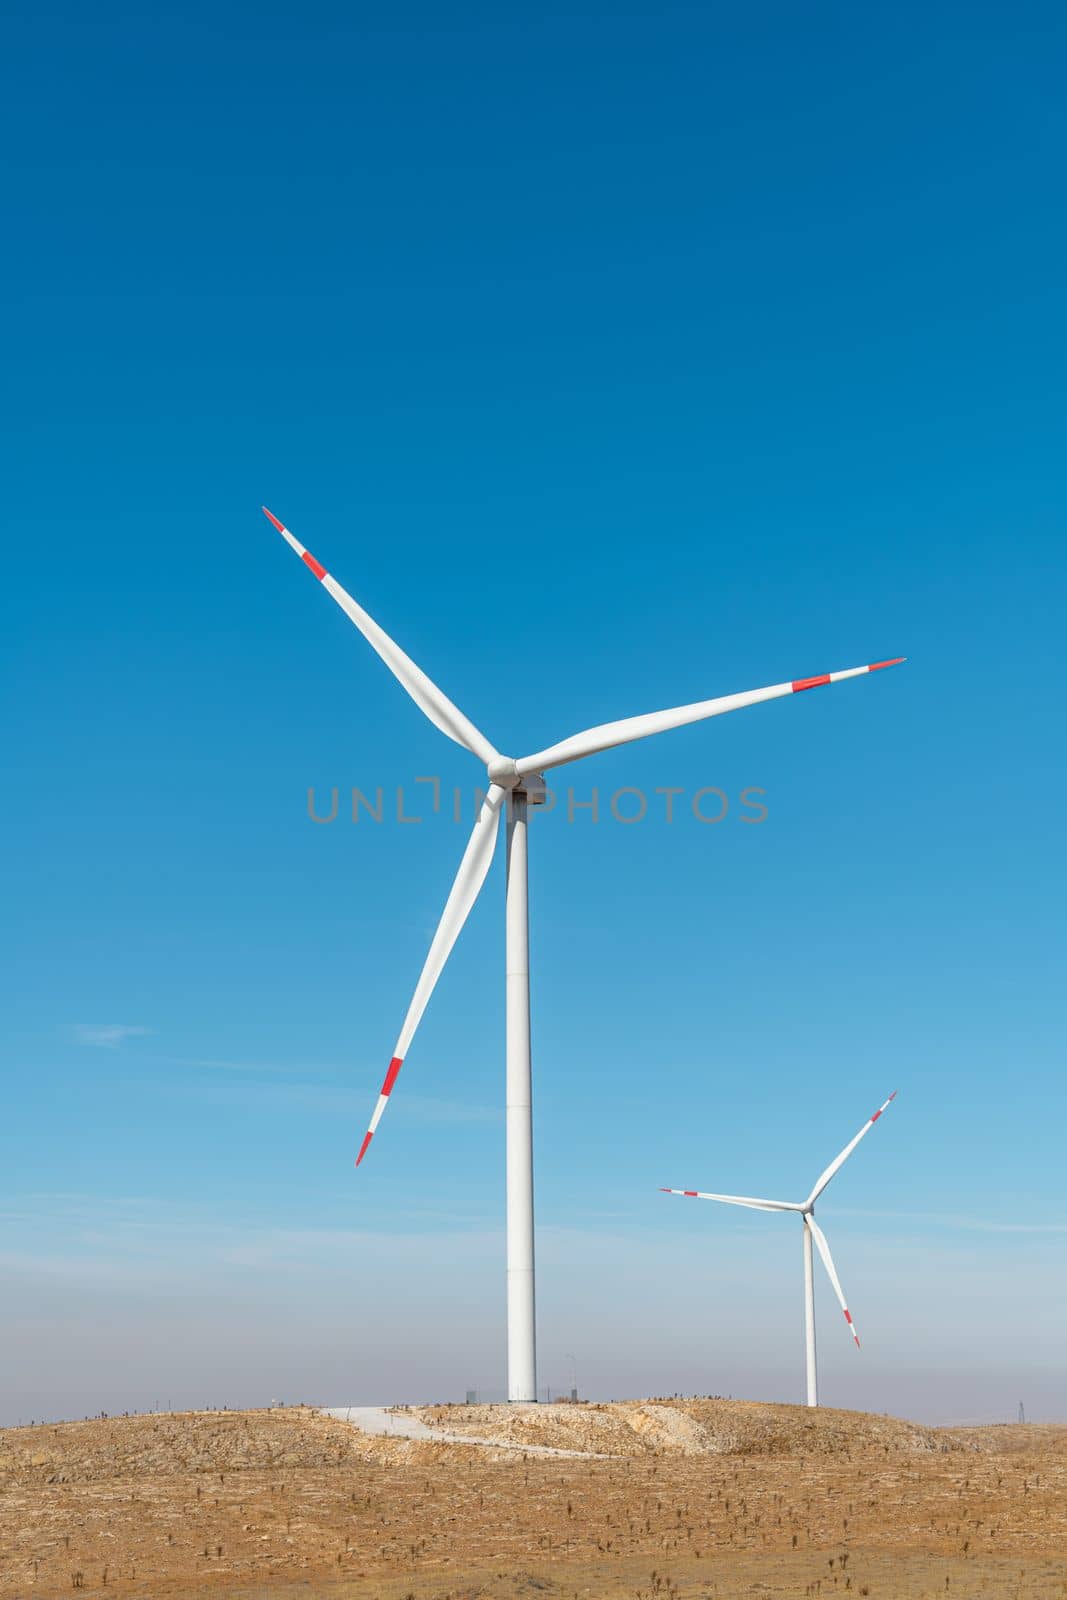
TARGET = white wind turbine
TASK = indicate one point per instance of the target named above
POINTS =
(521, 783)
(806, 1208)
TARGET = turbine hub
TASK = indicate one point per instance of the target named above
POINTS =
(502, 772)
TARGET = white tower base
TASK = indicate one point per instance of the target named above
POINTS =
(809, 1317)
(522, 1351)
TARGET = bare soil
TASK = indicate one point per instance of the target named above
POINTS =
(678, 1500)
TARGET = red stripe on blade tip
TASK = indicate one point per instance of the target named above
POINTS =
(876, 666)
(272, 518)
(810, 683)
(309, 560)
(390, 1077)
(367, 1137)
(848, 1318)
(692, 1193)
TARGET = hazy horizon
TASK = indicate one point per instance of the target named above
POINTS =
(151, 1315)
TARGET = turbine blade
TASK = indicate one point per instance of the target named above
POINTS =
(465, 890)
(737, 1200)
(839, 1161)
(828, 1262)
(427, 696)
(609, 734)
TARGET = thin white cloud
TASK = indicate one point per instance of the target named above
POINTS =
(948, 1219)
(424, 1109)
(340, 1099)
(107, 1035)
(213, 1064)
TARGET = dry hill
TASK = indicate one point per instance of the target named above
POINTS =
(685, 1499)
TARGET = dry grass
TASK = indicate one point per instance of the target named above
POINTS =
(699, 1498)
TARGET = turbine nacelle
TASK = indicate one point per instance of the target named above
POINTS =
(533, 786)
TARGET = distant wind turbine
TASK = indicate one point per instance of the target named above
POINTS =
(519, 783)
(806, 1208)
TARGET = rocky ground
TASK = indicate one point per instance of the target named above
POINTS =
(675, 1500)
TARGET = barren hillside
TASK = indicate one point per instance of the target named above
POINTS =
(681, 1498)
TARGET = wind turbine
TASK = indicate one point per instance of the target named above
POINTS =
(812, 1231)
(520, 783)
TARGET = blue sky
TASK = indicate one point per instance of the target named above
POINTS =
(612, 361)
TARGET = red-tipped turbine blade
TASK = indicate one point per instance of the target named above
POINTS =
(828, 1262)
(736, 1200)
(838, 1162)
(609, 734)
(431, 700)
(466, 887)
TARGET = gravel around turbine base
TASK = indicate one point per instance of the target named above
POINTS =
(680, 1427)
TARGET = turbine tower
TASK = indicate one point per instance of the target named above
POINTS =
(812, 1232)
(519, 783)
